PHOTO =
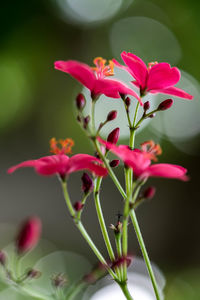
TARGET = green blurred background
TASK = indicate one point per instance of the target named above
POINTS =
(37, 103)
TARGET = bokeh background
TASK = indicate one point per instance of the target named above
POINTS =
(37, 103)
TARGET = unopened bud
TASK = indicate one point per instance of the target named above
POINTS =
(152, 115)
(33, 274)
(166, 104)
(86, 121)
(128, 102)
(146, 106)
(114, 163)
(113, 136)
(29, 235)
(149, 192)
(112, 115)
(2, 258)
(59, 280)
(78, 206)
(80, 102)
(87, 183)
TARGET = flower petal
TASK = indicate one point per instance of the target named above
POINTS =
(174, 91)
(114, 88)
(80, 71)
(136, 66)
(162, 76)
(168, 171)
(85, 161)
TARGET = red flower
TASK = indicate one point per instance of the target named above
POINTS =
(62, 164)
(157, 78)
(95, 79)
(29, 235)
(140, 162)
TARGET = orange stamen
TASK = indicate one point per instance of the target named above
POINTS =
(63, 148)
(151, 148)
(151, 64)
(101, 69)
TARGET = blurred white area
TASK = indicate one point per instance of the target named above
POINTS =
(139, 284)
(145, 37)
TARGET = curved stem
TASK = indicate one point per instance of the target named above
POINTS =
(145, 254)
(126, 292)
(101, 219)
(84, 233)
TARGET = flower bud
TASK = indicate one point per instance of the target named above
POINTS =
(149, 192)
(113, 136)
(87, 183)
(59, 280)
(86, 121)
(78, 206)
(111, 115)
(152, 115)
(114, 163)
(146, 106)
(29, 235)
(128, 102)
(2, 258)
(80, 102)
(33, 274)
(166, 104)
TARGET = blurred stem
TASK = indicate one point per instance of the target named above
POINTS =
(126, 292)
(76, 290)
(84, 233)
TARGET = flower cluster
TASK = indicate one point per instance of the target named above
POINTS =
(139, 163)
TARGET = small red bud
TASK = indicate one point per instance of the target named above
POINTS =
(29, 235)
(166, 104)
(113, 136)
(86, 121)
(152, 115)
(111, 115)
(80, 102)
(128, 102)
(87, 183)
(78, 206)
(2, 258)
(114, 163)
(146, 106)
(149, 192)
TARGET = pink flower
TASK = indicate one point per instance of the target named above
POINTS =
(62, 164)
(140, 162)
(95, 79)
(29, 235)
(156, 78)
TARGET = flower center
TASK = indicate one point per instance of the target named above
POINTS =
(151, 148)
(102, 70)
(151, 64)
(61, 146)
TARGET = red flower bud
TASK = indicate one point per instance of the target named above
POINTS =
(166, 104)
(152, 116)
(80, 102)
(78, 206)
(29, 235)
(2, 258)
(146, 106)
(86, 121)
(111, 115)
(113, 136)
(149, 192)
(87, 183)
(128, 102)
(114, 163)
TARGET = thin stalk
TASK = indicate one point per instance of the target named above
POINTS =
(126, 292)
(145, 254)
(132, 129)
(92, 116)
(79, 213)
(84, 233)
(76, 289)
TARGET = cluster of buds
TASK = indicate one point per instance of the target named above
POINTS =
(59, 280)
(164, 105)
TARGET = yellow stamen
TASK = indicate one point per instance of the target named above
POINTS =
(152, 148)
(101, 68)
(61, 146)
(151, 64)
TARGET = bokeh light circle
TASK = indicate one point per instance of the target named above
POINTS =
(145, 37)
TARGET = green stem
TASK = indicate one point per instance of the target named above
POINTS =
(132, 129)
(145, 254)
(101, 219)
(79, 213)
(76, 290)
(126, 292)
(93, 116)
(84, 233)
